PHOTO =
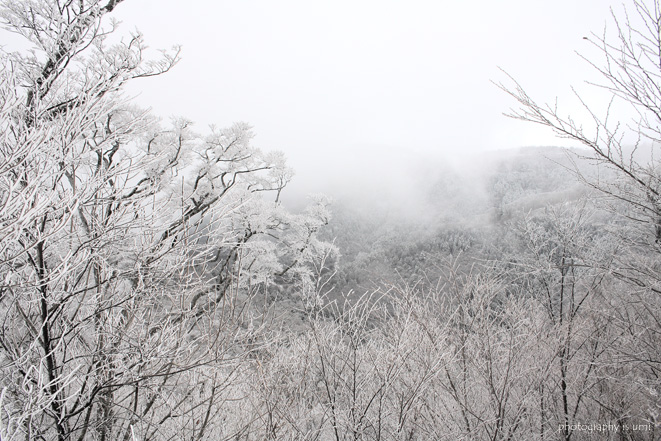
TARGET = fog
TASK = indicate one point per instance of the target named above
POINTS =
(474, 278)
(368, 100)
(359, 94)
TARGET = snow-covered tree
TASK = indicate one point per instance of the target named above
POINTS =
(626, 152)
(129, 248)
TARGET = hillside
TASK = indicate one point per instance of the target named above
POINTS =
(466, 208)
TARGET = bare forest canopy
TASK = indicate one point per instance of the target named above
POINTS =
(154, 284)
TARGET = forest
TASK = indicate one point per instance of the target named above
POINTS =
(155, 286)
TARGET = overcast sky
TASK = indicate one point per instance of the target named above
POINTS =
(347, 85)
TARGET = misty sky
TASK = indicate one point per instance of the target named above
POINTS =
(345, 87)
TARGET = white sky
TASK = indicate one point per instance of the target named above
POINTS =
(350, 85)
(344, 86)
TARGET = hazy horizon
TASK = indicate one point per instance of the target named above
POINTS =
(352, 88)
